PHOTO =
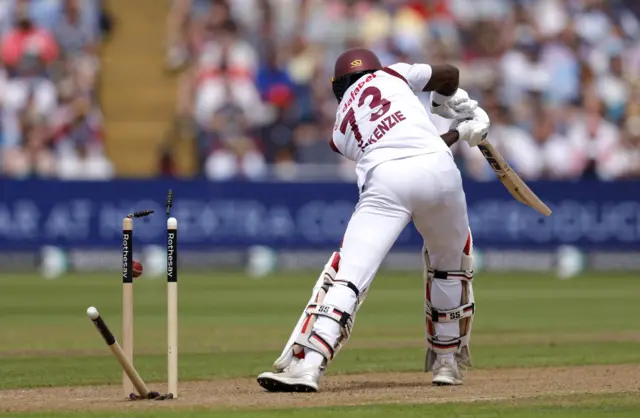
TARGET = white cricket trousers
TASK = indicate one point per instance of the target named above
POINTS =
(426, 189)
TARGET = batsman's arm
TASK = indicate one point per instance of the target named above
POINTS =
(447, 99)
(450, 137)
(444, 80)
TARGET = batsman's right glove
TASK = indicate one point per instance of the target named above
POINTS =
(473, 130)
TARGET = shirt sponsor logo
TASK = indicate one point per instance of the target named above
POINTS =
(356, 91)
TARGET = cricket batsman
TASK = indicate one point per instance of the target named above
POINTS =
(405, 173)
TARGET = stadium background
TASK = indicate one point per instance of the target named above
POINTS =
(106, 104)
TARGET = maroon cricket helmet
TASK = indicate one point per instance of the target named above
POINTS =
(350, 66)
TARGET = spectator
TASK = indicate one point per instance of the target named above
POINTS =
(75, 35)
(553, 74)
(29, 95)
(593, 141)
(27, 49)
(234, 153)
(554, 146)
(612, 90)
(78, 139)
(271, 76)
(51, 124)
(184, 36)
(226, 65)
(32, 156)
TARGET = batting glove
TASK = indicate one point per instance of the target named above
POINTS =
(473, 130)
(458, 106)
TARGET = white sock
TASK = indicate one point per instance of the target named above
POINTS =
(312, 358)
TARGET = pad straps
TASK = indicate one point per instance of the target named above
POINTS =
(451, 315)
(451, 346)
(342, 318)
(450, 275)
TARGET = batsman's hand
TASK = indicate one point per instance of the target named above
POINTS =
(473, 130)
(460, 106)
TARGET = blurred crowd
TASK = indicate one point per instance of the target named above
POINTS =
(50, 124)
(560, 79)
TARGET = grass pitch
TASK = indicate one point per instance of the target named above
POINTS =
(232, 326)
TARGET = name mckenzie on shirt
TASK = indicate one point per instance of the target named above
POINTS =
(383, 127)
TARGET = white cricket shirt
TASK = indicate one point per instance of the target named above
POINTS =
(380, 119)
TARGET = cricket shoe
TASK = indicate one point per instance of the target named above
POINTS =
(446, 372)
(294, 378)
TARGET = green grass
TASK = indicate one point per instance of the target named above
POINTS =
(232, 326)
(85, 370)
(621, 406)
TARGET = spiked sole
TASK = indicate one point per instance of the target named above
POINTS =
(274, 385)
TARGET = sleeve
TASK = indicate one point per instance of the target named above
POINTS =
(417, 75)
(9, 50)
(336, 132)
(333, 146)
(50, 50)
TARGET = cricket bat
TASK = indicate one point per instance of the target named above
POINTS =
(511, 180)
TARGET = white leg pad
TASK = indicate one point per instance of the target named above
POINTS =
(334, 321)
(333, 302)
(449, 321)
(305, 322)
